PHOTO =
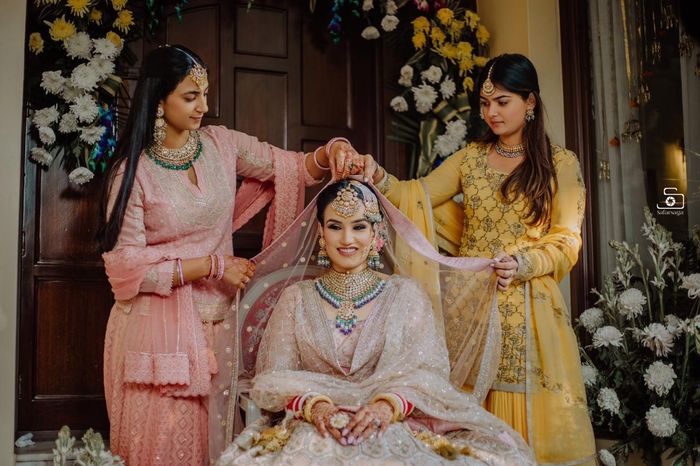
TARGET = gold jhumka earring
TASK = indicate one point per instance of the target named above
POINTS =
(159, 126)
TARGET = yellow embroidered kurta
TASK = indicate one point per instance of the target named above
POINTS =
(539, 389)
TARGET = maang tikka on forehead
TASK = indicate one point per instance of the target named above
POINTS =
(197, 73)
(347, 202)
(488, 88)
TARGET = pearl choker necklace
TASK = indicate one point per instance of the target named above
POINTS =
(504, 150)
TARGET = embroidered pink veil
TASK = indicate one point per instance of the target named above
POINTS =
(462, 291)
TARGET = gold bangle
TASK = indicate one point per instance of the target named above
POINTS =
(395, 405)
(309, 405)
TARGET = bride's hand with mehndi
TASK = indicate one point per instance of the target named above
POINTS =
(369, 420)
(322, 415)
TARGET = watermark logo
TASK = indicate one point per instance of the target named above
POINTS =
(672, 202)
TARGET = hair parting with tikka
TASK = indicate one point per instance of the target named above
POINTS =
(535, 178)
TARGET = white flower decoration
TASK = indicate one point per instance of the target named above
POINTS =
(105, 48)
(389, 23)
(659, 377)
(80, 175)
(453, 139)
(661, 422)
(406, 76)
(78, 45)
(370, 33)
(607, 336)
(85, 108)
(630, 303)
(590, 374)
(52, 82)
(68, 124)
(91, 134)
(102, 67)
(41, 156)
(692, 284)
(608, 400)
(432, 74)
(425, 96)
(84, 77)
(391, 7)
(607, 458)
(448, 88)
(45, 117)
(674, 325)
(71, 93)
(46, 135)
(657, 338)
(399, 104)
(591, 319)
(367, 5)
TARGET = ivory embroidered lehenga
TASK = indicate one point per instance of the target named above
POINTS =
(399, 347)
(160, 372)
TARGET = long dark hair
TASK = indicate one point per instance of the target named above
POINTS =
(535, 177)
(163, 69)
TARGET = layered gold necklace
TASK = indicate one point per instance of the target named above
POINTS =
(177, 159)
(347, 292)
(505, 150)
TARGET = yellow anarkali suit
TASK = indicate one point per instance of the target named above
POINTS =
(539, 389)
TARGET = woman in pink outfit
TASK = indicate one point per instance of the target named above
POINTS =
(169, 210)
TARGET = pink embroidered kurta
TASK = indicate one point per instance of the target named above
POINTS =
(158, 362)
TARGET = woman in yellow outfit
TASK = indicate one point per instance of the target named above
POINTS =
(523, 206)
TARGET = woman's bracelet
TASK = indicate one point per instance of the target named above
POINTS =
(394, 401)
(329, 144)
(309, 405)
(220, 266)
(318, 164)
(180, 273)
(212, 266)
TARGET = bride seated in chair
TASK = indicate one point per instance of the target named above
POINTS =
(353, 366)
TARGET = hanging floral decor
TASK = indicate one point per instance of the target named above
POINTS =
(433, 112)
(642, 368)
(72, 82)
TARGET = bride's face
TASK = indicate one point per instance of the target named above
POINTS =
(348, 240)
